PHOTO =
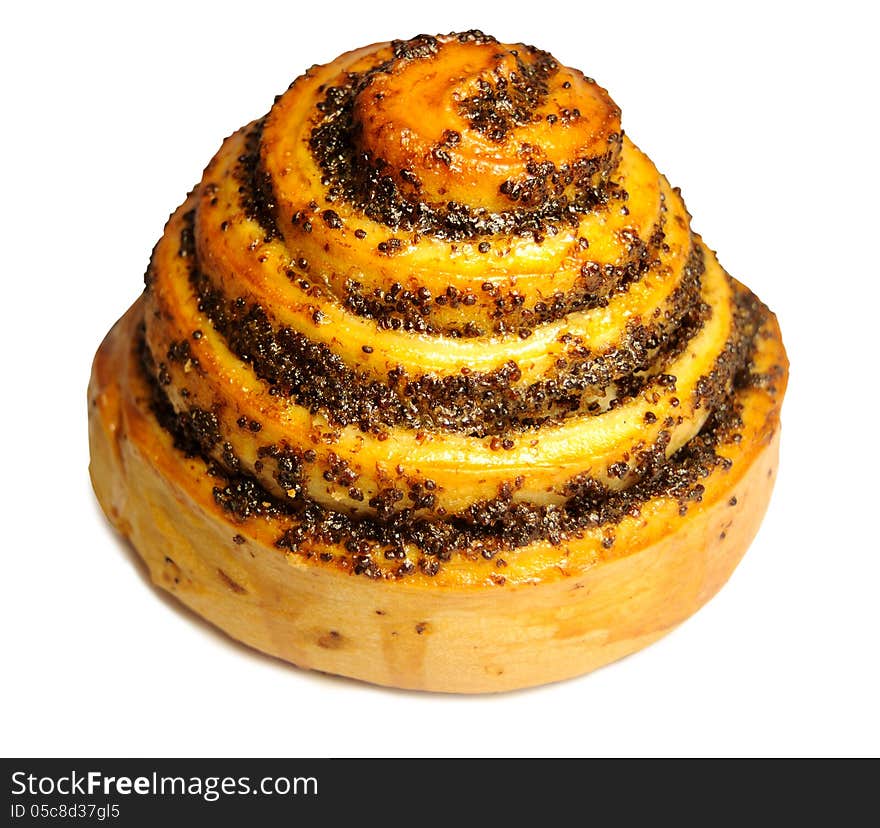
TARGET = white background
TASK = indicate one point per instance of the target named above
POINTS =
(763, 113)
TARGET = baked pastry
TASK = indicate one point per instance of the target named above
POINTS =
(431, 383)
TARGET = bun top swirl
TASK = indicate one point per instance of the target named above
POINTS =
(485, 125)
(437, 282)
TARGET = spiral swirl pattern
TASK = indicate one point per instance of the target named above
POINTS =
(435, 313)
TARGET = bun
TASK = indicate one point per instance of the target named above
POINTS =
(432, 385)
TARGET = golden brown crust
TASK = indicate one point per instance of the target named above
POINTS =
(445, 397)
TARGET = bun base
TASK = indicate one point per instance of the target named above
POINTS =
(450, 635)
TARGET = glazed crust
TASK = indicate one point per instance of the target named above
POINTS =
(431, 383)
